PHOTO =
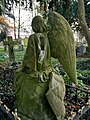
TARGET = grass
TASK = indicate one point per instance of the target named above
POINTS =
(18, 54)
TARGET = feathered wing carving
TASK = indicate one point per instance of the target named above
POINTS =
(62, 43)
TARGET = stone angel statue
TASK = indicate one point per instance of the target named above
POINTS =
(39, 90)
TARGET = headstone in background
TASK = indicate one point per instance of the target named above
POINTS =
(84, 49)
(19, 40)
(81, 49)
(20, 46)
(25, 41)
(88, 50)
(10, 44)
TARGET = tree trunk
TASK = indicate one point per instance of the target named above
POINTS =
(84, 26)
(19, 21)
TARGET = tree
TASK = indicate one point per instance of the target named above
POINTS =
(70, 9)
(84, 26)
(25, 3)
(76, 13)
(7, 6)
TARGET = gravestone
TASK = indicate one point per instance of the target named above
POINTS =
(19, 40)
(81, 49)
(20, 46)
(10, 44)
(84, 49)
(25, 42)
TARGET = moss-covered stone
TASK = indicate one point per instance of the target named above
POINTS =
(25, 42)
(36, 78)
(32, 82)
(62, 44)
(31, 99)
(55, 96)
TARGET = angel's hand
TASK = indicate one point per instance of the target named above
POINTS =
(42, 77)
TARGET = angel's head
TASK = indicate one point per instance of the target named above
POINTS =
(38, 24)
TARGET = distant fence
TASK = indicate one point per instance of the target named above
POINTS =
(77, 103)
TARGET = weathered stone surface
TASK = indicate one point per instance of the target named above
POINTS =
(62, 44)
(32, 81)
(25, 42)
(31, 99)
(36, 80)
(55, 96)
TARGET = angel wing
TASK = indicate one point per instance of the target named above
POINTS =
(62, 43)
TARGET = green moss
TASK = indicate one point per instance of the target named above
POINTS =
(62, 43)
(30, 97)
(32, 82)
